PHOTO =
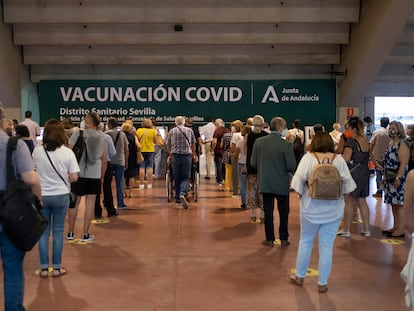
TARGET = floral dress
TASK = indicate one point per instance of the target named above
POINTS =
(392, 161)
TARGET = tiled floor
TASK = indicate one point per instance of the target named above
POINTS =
(157, 256)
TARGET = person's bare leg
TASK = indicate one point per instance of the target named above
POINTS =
(73, 214)
(141, 176)
(398, 220)
(364, 210)
(149, 175)
(89, 212)
(349, 213)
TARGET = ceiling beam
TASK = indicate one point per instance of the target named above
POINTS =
(145, 72)
(178, 54)
(164, 11)
(130, 34)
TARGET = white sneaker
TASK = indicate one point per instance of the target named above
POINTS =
(149, 186)
(87, 237)
(344, 234)
(366, 234)
(141, 187)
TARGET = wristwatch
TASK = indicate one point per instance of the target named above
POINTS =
(397, 178)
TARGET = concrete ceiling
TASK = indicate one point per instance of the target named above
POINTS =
(367, 45)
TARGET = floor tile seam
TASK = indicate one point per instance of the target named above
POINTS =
(175, 274)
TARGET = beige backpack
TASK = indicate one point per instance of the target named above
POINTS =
(325, 180)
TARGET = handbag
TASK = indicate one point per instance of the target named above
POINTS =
(390, 175)
(73, 196)
(20, 208)
(140, 157)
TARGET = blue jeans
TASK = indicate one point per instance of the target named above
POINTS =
(119, 171)
(54, 209)
(12, 259)
(242, 182)
(326, 237)
(218, 160)
(181, 166)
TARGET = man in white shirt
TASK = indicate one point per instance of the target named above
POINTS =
(206, 137)
(378, 144)
(34, 128)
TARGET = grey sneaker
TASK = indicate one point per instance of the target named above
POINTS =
(184, 201)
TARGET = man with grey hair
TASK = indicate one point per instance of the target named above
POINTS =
(12, 257)
(181, 148)
(273, 158)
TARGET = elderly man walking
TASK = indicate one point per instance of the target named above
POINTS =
(273, 158)
(181, 148)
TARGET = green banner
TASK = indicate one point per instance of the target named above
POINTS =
(312, 101)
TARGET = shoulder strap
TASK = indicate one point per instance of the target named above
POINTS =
(142, 136)
(184, 135)
(51, 163)
(316, 156)
(330, 161)
(358, 145)
(11, 147)
(116, 139)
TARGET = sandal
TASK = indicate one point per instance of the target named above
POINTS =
(58, 272)
(44, 273)
(295, 279)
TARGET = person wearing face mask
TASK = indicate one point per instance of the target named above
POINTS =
(395, 167)
(356, 155)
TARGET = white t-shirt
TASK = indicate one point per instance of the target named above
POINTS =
(236, 138)
(242, 154)
(65, 162)
(321, 211)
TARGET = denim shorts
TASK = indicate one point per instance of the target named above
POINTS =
(148, 160)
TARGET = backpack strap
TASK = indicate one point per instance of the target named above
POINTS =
(11, 147)
(330, 161)
(316, 156)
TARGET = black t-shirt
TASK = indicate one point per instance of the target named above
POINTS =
(251, 138)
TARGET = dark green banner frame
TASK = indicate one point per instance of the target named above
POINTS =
(312, 101)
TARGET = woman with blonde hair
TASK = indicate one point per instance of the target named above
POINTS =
(147, 136)
(132, 169)
(254, 199)
(336, 134)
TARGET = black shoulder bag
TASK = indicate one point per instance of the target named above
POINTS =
(20, 208)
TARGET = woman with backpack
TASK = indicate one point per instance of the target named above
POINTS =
(319, 216)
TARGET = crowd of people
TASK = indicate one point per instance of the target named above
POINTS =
(254, 161)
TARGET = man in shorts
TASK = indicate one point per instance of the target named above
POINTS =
(92, 166)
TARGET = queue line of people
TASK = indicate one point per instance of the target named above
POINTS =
(260, 149)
